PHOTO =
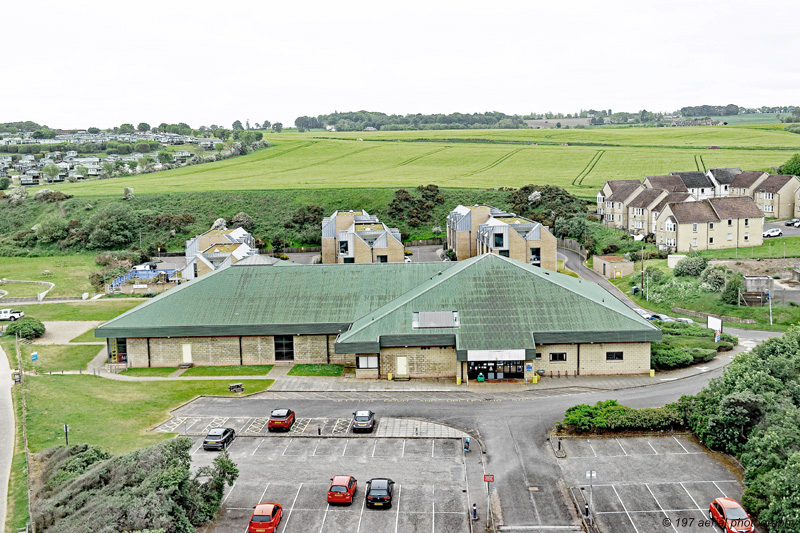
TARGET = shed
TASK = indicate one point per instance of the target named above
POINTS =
(612, 266)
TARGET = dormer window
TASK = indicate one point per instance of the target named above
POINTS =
(434, 319)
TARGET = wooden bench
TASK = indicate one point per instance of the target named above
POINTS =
(236, 387)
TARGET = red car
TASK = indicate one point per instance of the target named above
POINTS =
(265, 519)
(343, 489)
(730, 516)
(281, 419)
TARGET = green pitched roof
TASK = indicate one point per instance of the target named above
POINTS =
(271, 300)
(502, 304)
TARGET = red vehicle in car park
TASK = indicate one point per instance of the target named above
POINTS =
(265, 519)
(280, 419)
(730, 515)
(343, 489)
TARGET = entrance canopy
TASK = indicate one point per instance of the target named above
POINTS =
(496, 355)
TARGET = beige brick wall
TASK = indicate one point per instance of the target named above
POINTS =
(636, 358)
(422, 361)
(329, 250)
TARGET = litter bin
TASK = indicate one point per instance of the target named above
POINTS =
(634, 290)
(481, 377)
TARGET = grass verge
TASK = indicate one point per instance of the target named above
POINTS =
(155, 372)
(87, 337)
(17, 502)
(112, 414)
(93, 310)
(57, 357)
(316, 370)
(246, 370)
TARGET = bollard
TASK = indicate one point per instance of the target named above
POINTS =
(466, 444)
(586, 509)
(474, 511)
(319, 429)
(559, 443)
(416, 430)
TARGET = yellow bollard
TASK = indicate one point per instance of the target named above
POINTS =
(535, 379)
(458, 381)
(390, 376)
(652, 373)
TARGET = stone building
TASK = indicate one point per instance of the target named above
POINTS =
(358, 237)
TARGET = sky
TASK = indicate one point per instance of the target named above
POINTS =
(98, 63)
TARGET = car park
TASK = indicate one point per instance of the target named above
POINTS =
(379, 492)
(363, 421)
(342, 490)
(281, 419)
(219, 438)
(772, 232)
(792, 222)
(265, 519)
(730, 516)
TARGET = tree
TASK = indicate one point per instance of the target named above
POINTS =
(26, 327)
(730, 295)
(247, 124)
(558, 125)
(4, 183)
(237, 125)
(266, 124)
(165, 157)
(126, 128)
(82, 171)
(112, 226)
(107, 170)
(242, 220)
(277, 127)
(93, 130)
(142, 146)
(51, 171)
(143, 126)
(792, 166)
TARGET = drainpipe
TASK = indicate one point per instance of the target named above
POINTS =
(579, 359)
(328, 348)
(148, 352)
(241, 358)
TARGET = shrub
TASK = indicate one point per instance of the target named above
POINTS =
(612, 416)
(27, 328)
(242, 220)
(17, 195)
(610, 248)
(731, 293)
(666, 357)
(724, 346)
(690, 266)
(713, 278)
(4, 183)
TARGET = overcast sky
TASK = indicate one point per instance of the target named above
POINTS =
(101, 63)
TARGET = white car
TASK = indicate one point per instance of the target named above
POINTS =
(643, 313)
(10, 314)
(406, 259)
(772, 232)
(684, 320)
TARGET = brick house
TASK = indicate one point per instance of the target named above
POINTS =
(775, 195)
(415, 320)
(612, 201)
(358, 237)
(640, 208)
(745, 183)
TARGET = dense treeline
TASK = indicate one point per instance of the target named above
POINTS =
(14, 127)
(358, 120)
(707, 110)
(753, 412)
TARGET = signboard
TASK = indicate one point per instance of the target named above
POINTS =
(714, 323)
(140, 286)
(34, 356)
(528, 367)
(495, 355)
(488, 478)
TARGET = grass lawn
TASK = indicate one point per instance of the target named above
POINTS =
(563, 270)
(93, 310)
(17, 502)
(22, 290)
(246, 370)
(56, 357)
(773, 248)
(159, 371)
(113, 414)
(87, 336)
(316, 370)
(69, 273)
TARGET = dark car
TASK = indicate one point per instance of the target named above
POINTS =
(791, 222)
(280, 419)
(219, 438)
(379, 492)
(363, 421)
(730, 516)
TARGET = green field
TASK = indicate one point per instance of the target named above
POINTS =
(222, 371)
(90, 310)
(69, 273)
(466, 159)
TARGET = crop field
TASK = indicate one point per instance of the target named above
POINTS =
(466, 159)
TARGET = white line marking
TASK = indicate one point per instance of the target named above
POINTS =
(433, 447)
(322, 526)
(680, 444)
(292, 508)
(374, 446)
(287, 447)
(345, 448)
(620, 445)
(360, 516)
(397, 519)
(226, 496)
(403, 454)
(693, 500)
(466, 482)
(258, 446)
(315, 453)
(659, 504)
(651, 511)
(590, 447)
(625, 509)
(433, 518)
(719, 489)
(651, 447)
(263, 493)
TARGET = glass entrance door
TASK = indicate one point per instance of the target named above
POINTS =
(493, 370)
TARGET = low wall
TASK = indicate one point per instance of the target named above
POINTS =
(704, 316)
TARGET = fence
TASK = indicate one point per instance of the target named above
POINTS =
(425, 242)
(572, 245)
(784, 296)
(300, 250)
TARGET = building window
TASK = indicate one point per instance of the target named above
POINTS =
(619, 217)
(694, 242)
(498, 240)
(367, 361)
(383, 259)
(746, 236)
(503, 253)
(746, 222)
(726, 188)
(610, 205)
(536, 255)
(710, 225)
(284, 348)
(558, 357)
(343, 247)
(639, 224)
(730, 222)
(769, 208)
(538, 355)
(730, 236)
(769, 195)
(694, 228)
(349, 259)
(711, 240)
(638, 211)
(613, 356)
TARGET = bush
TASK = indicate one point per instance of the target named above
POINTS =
(666, 357)
(612, 416)
(242, 220)
(731, 293)
(713, 278)
(4, 183)
(26, 327)
(724, 346)
(690, 266)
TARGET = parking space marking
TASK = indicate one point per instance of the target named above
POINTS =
(692, 498)
(256, 426)
(300, 425)
(659, 504)
(257, 446)
(374, 446)
(322, 527)
(627, 483)
(719, 489)
(287, 446)
(292, 508)
(625, 509)
(680, 444)
(315, 453)
(590, 447)
(651, 447)
(620, 445)
(646, 511)
(345, 448)
(199, 445)
(218, 421)
(341, 426)
(433, 447)
(433, 501)
(403, 453)
(361, 515)
(397, 518)
(226, 496)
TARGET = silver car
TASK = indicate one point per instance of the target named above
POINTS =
(363, 421)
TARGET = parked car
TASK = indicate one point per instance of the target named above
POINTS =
(730, 515)
(796, 224)
(406, 259)
(684, 320)
(343, 489)
(280, 419)
(265, 519)
(791, 222)
(363, 421)
(379, 492)
(772, 232)
(660, 318)
(10, 314)
(219, 438)
(643, 313)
